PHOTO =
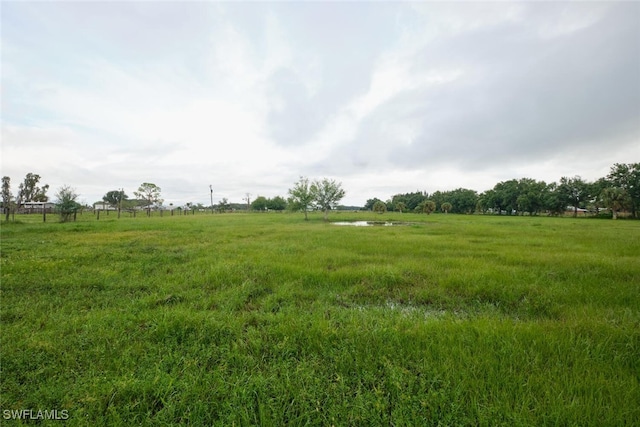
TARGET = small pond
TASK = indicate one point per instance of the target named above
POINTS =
(369, 223)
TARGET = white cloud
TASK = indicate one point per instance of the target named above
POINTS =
(389, 97)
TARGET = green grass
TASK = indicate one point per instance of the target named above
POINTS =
(267, 319)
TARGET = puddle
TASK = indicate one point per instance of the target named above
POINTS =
(369, 223)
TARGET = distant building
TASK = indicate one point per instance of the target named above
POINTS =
(36, 207)
(104, 206)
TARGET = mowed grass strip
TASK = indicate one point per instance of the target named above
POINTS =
(267, 319)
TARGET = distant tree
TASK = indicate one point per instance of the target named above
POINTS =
(391, 206)
(530, 195)
(277, 204)
(616, 199)
(439, 198)
(400, 207)
(486, 201)
(150, 193)
(28, 191)
(259, 204)
(380, 207)
(462, 200)
(302, 196)
(410, 200)
(574, 192)
(627, 177)
(369, 205)
(247, 199)
(7, 196)
(66, 203)
(505, 196)
(327, 193)
(115, 198)
(223, 206)
(428, 206)
(596, 189)
(446, 207)
(553, 201)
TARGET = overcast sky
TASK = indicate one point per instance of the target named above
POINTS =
(385, 97)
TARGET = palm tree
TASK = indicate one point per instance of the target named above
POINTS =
(616, 199)
(379, 207)
(446, 207)
(428, 206)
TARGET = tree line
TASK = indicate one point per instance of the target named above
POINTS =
(619, 191)
(305, 195)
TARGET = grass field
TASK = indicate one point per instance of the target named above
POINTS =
(267, 319)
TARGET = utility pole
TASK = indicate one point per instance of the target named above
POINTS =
(211, 189)
(248, 199)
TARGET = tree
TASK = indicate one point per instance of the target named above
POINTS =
(616, 199)
(327, 193)
(596, 189)
(277, 204)
(223, 206)
(438, 198)
(115, 199)
(462, 200)
(410, 200)
(446, 207)
(370, 203)
(487, 201)
(380, 207)
(28, 191)
(7, 197)
(574, 192)
(302, 196)
(401, 206)
(627, 177)
(66, 203)
(259, 204)
(506, 196)
(150, 193)
(553, 202)
(427, 206)
(530, 196)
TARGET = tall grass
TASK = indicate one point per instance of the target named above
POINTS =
(267, 319)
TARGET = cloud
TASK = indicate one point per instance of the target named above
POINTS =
(502, 93)
(385, 97)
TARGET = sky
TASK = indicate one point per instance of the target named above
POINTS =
(383, 97)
